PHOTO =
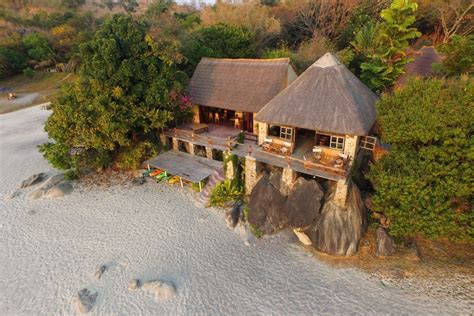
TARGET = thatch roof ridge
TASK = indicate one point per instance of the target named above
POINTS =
(326, 97)
(248, 60)
(238, 84)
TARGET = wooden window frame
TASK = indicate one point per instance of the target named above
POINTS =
(335, 140)
(368, 142)
(286, 132)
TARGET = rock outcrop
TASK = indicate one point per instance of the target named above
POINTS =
(384, 244)
(270, 210)
(59, 190)
(85, 300)
(32, 180)
(266, 207)
(160, 289)
(304, 202)
(338, 230)
(54, 187)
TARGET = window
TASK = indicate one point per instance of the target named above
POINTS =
(337, 142)
(368, 142)
(274, 130)
(286, 133)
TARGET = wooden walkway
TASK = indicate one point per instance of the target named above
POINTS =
(189, 167)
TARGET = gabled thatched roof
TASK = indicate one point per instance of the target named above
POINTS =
(238, 84)
(326, 97)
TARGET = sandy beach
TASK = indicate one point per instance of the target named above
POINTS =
(51, 248)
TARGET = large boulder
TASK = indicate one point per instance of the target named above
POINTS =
(384, 244)
(270, 210)
(59, 190)
(52, 181)
(338, 230)
(304, 203)
(266, 207)
(54, 187)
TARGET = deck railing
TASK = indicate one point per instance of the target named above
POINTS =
(211, 141)
(307, 165)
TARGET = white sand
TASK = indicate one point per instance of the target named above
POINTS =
(51, 248)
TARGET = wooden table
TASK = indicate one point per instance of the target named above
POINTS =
(199, 128)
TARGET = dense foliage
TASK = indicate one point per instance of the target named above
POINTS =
(459, 56)
(381, 46)
(127, 91)
(219, 41)
(425, 184)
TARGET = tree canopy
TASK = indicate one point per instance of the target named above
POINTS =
(219, 41)
(128, 89)
(383, 45)
(425, 183)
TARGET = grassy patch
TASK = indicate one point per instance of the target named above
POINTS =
(44, 85)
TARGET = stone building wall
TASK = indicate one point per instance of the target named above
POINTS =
(262, 132)
(350, 146)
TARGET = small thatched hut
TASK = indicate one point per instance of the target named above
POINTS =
(230, 91)
(327, 106)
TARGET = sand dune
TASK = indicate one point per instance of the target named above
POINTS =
(51, 248)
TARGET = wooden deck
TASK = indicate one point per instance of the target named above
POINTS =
(225, 138)
(189, 167)
(294, 162)
(216, 137)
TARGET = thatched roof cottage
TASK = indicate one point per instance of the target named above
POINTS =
(326, 107)
(230, 91)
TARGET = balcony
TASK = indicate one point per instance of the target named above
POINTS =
(209, 135)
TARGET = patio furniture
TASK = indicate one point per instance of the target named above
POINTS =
(317, 152)
(267, 144)
(340, 160)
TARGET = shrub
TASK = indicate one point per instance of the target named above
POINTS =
(37, 46)
(28, 72)
(219, 41)
(459, 53)
(224, 192)
(424, 184)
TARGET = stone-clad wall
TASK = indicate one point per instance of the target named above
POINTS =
(262, 132)
(350, 146)
(252, 174)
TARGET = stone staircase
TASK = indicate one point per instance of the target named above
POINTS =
(214, 179)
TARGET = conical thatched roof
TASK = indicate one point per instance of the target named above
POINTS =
(327, 97)
(238, 84)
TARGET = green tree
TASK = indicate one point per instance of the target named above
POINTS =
(37, 46)
(219, 41)
(425, 184)
(12, 55)
(381, 46)
(367, 11)
(459, 56)
(127, 91)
